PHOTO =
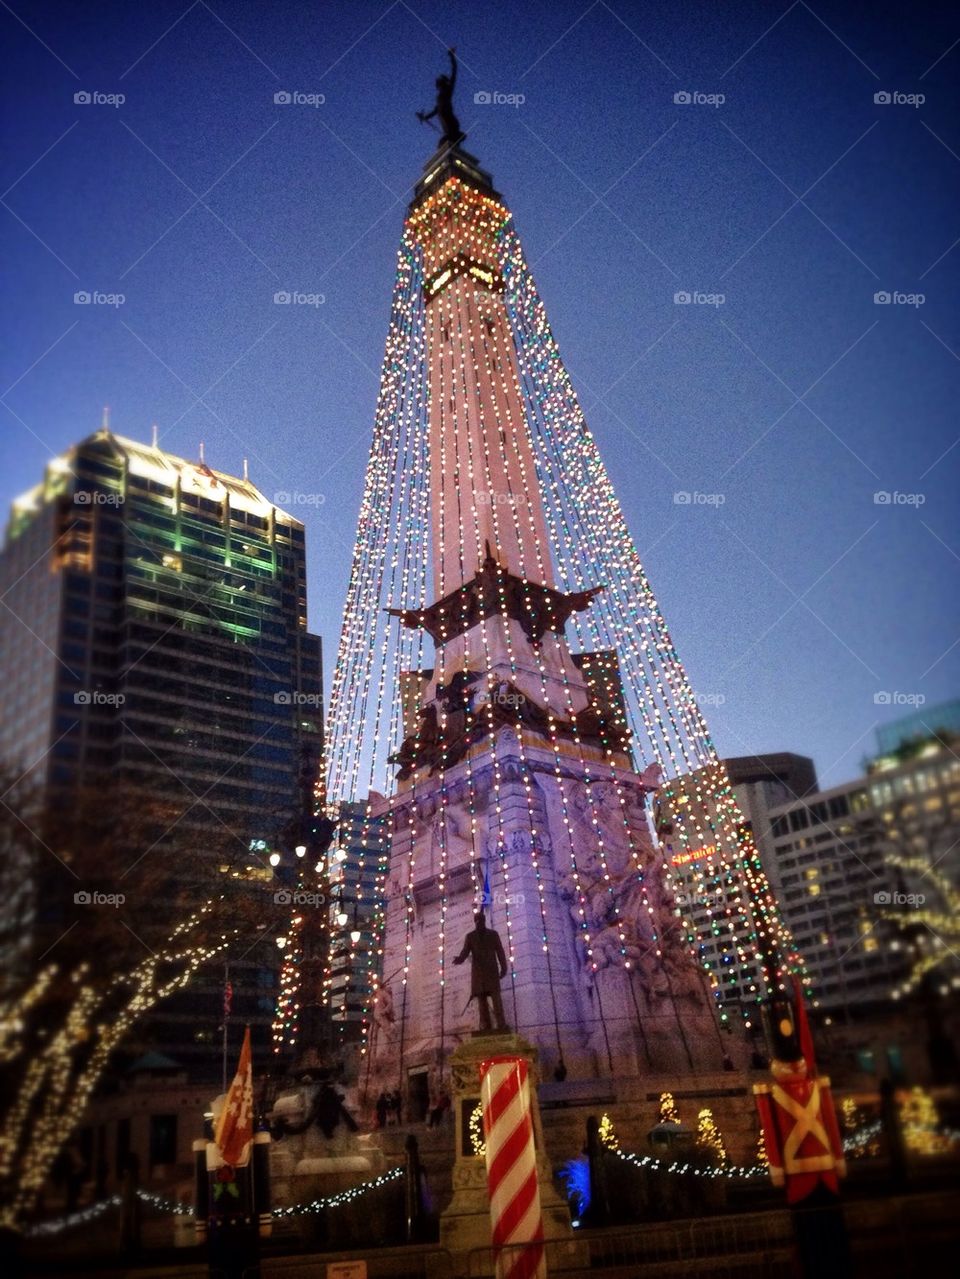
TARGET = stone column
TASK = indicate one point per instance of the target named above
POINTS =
(465, 1223)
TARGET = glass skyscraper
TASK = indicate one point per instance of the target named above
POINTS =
(155, 634)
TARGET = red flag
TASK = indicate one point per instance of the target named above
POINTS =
(234, 1132)
(227, 997)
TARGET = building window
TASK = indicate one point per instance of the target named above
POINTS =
(163, 1139)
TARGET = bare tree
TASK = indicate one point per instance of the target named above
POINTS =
(118, 903)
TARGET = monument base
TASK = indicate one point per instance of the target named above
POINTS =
(465, 1222)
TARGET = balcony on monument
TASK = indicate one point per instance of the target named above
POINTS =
(452, 162)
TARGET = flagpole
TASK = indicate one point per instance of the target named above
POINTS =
(226, 1018)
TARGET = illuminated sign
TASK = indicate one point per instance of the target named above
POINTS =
(698, 854)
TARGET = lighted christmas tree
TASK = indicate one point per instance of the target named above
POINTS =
(920, 1121)
(708, 1140)
(760, 1157)
(606, 1133)
(508, 692)
(668, 1112)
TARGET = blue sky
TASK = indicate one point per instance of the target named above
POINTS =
(795, 600)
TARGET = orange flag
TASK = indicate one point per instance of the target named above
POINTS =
(234, 1132)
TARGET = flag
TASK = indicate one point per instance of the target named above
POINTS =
(227, 997)
(234, 1131)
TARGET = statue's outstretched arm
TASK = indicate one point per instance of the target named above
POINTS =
(453, 69)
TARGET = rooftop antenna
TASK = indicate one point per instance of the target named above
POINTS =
(105, 420)
(246, 470)
(202, 458)
(153, 430)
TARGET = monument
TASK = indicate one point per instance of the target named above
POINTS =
(507, 693)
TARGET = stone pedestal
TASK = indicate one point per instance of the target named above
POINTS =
(465, 1223)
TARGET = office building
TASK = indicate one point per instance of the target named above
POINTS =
(155, 637)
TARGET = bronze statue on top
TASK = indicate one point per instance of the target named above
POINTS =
(443, 109)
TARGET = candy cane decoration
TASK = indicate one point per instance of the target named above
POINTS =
(512, 1169)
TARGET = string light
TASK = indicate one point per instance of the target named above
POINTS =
(59, 1079)
(178, 1209)
(480, 455)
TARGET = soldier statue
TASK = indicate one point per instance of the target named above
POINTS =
(488, 967)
